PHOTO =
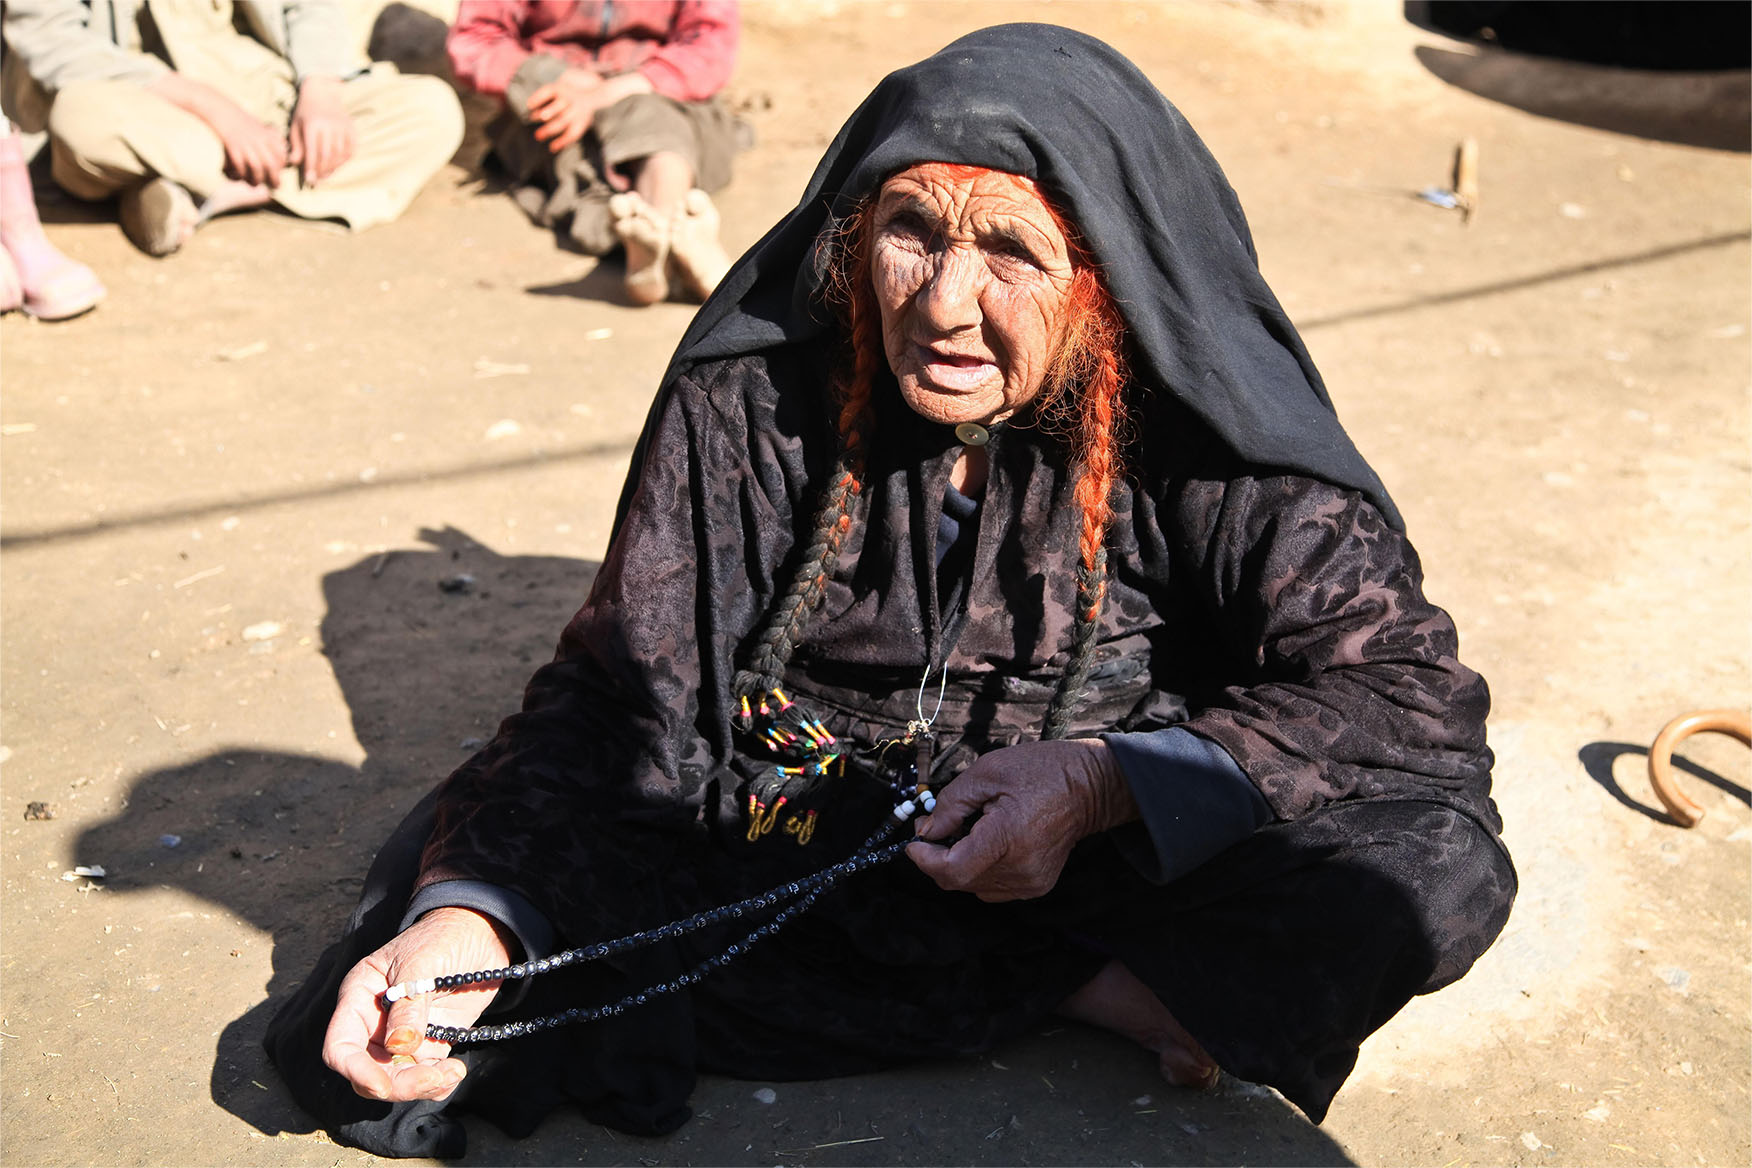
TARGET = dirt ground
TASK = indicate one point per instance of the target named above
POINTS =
(232, 495)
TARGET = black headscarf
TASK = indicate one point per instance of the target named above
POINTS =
(1151, 203)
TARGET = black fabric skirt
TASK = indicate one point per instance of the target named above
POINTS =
(1280, 956)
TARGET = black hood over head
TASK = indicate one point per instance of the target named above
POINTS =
(1072, 113)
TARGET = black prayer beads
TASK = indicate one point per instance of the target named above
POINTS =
(801, 893)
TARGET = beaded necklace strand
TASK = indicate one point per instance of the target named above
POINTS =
(803, 894)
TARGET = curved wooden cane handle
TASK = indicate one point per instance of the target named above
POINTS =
(1735, 722)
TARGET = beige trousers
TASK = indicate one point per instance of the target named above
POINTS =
(108, 136)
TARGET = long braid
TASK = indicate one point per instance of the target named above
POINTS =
(1090, 355)
(854, 387)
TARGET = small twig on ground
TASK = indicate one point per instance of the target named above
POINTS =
(843, 1143)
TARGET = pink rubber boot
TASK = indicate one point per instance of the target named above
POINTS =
(50, 286)
(11, 295)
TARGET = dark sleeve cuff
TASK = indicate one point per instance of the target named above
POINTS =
(526, 922)
(1195, 801)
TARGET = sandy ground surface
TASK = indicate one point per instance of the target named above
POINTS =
(232, 494)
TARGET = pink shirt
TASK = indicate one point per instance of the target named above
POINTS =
(685, 48)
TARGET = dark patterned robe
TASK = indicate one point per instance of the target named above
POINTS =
(1262, 596)
(1278, 616)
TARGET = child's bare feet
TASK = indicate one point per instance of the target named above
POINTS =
(645, 234)
(1116, 1000)
(700, 260)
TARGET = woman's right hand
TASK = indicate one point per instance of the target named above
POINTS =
(1035, 800)
(385, 1054)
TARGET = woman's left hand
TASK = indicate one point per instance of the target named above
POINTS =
(1035, 802)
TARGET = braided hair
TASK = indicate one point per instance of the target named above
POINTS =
(1088, 403)
(1083, 402)
(855, 301)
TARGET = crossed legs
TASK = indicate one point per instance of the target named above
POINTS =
(114, 139)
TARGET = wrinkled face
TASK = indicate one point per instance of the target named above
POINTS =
(973, 277)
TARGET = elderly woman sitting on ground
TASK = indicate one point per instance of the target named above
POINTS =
(993, 483)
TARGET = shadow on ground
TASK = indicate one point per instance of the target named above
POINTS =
(1672, 71)
(603, 282)
(1598, 758)
(1709, 109)
(430, 647)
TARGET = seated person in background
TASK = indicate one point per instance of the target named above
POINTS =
(34, 275)
(169, 106)
(612, 130)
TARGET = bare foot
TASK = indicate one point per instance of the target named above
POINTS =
(646, 237)
(158, 216)
(700, 260)
(1116, 1000)
(235, 195)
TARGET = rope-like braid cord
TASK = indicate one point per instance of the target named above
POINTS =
(1097, 440)
(1091, 587)
(772, 651)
